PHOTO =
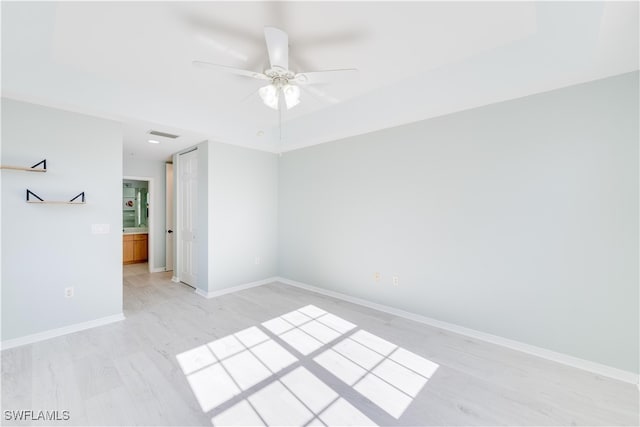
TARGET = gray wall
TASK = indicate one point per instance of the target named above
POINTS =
(46, 248)
(243, 191)
(156, 170)
(518, 219)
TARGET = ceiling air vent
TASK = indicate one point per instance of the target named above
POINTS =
(163, 134)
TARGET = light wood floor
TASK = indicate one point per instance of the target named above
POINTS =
(280, 355)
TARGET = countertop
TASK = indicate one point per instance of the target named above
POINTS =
(135, 230)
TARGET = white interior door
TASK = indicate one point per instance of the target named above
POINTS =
(187, 215)
(169, 231)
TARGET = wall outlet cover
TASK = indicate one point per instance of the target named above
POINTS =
(100, 228)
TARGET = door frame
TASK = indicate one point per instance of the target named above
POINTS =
(170, 256)
(151, 234)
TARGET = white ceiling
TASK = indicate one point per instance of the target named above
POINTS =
(132, 62)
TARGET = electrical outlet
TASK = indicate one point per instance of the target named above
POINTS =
(68, 292)
(257, 260)
(395, 280)
(376, 276)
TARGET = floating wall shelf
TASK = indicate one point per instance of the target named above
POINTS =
(33, 168)
(73, 201)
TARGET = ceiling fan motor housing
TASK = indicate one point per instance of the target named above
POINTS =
(279, 76)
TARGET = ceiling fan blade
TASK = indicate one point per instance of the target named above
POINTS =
(277, 46)
(319, 95)
(232, 70)
(246, 98)
(327, 76)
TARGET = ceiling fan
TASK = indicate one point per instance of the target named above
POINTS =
(283, 90)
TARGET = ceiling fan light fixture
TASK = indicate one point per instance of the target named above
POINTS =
(291, 95)
(269, 95)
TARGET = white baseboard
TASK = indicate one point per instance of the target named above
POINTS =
(158, 270)
(587, 365)
(217, 293)
(52, 333)
(175, 279)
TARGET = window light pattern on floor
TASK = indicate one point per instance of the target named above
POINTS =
(256, 376)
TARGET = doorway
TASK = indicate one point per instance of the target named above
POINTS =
(138, 221)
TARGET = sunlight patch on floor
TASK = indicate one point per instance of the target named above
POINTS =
(384, 373)
(253, 377)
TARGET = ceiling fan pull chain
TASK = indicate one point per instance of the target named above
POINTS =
(280, 123)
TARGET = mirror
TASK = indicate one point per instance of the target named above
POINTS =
(135, 204)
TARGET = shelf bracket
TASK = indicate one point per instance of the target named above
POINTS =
(43, 163)
(29, 192)
(79, 195)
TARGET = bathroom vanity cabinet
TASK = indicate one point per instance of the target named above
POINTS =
(135, 248)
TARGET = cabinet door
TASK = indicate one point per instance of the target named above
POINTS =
(140, 249)
(127, 249)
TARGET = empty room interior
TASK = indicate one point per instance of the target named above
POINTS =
(320, 213)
